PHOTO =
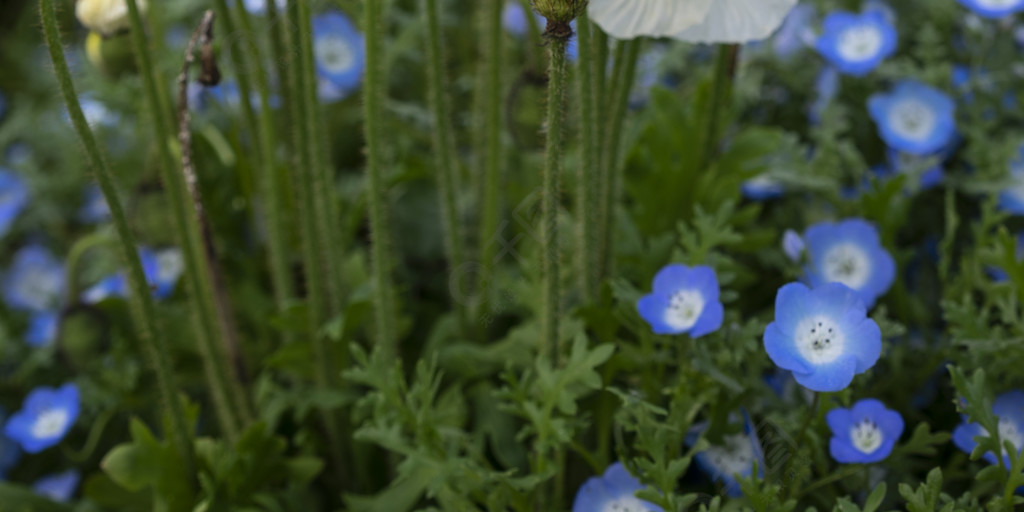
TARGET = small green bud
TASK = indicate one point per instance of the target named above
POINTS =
(560, 12)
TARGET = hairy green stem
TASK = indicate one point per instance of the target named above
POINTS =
(228, 396)
(380, 228)
(489, 184)
(151, 338)
(444, 145)
(558, 39)
(586, 184)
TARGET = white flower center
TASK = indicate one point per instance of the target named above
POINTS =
(912, 119)
(848, 264)
(859, 43)
(38, 286)
(737, 456)
(625, 504)
(334, 53)
(169, 265)
(866, 436)
(684, 309)
(50, 423)
(819, 340)
(1010, 431)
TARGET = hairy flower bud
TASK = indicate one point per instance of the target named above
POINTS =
(105, 16)
(560, 11)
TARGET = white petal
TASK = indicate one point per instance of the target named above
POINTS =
(738, 21)
(626, 19)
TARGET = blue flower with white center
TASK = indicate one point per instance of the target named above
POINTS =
(13, 199)
(42, 329)
(856, 43)
(826, 87)
(735, 456)
(114, 285)
(10, 452)
(95, 209)
(795, 32)
(927, 168)
(163, 269)
(59, 487)
(613, 491)
(339, 52)
(34, 281)
(683, 300)
(914, 118)
(1009, 408)
(1011, 198)
(45, 417)
(849, 252)
(864, 433)
(762, 187)
(993, 9)
(823, 336)
(793, 245)
(260, 6)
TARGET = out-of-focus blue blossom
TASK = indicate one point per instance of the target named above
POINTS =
(735, 456)
(614, 490)
(162, 268)
(514, 21)
(856, 43)
(823, 336)
(34, 281)
(683, 300)
(902, 163)
(965, 82)
(993, 9)
(882, 8)
(59, 487)
(864, 433)
(796, 32)
(914, 118)
(114, 285)
(826, 88)
(95, 112)
(648, 74)
(792, 245)
(10, 452)
(761, 188)
(45, 417)
(849, 252)
(260, 6)
(18, 153)
(1011, 198)
(13, 199)
(42, 329)
(94, 209)
(1009, 408)
(339, 53)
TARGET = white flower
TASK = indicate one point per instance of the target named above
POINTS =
(696, 21)
(105, 16)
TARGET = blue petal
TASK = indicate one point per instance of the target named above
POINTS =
(964, 434)
(792, 304)
(863, 341)
(59, 487)
(782, 352)
(840, 420)
(672, 278)
(652, 309)
(839, 301)
(842, 451)
(834, 376)
(710, 320)
(703, 279)
(1010, 405)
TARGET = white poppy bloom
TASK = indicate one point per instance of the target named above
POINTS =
(105, 16)
(696, 21)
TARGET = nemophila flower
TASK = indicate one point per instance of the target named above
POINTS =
(59, 487)
(1011, 198)
(162, 269)
(696, 21)
(1009, 408)
(823, 336)
(45, 418)
(793, 245)
(914, 118)
(849, 252)
(734, 456)
(42, 329)
(864, 433)
(795, 32)
(882, 8)
(105, 16)
(13, 199)
(94, 208)
(514, 20)
(762, 187)
(993, 9)
(684, 300)
(826, 89)
(10, 452)
(95, 112)
(339, 51)
(260, 6)
(856, 43)
(114, 285)
(34, 281)
(614, 490)
(927, 168)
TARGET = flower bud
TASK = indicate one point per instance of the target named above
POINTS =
(560, 11)
(105, 16)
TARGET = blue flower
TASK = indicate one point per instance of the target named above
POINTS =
(514, 20)
(260, 6)
(1011, 198)
(826, 86)
(42, 329)
(849, 252)
(683, 300)
(856, 43)
(993, 9)
(762, 187)
(58, 487)
(10, 452)
(95, 209)
(162, 269)
(13, 199)
(614, 490)
(1009, 408)
(882, 8)
(735, 456)
(795, 32)
(95, 112)
(792, 245)
(928, 167)
(45, 418)
(864, 433)
(35, 280)
(339, 52)
(114, 285)
(823, 336)
(914, 118)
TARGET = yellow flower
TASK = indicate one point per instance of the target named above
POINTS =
(105, 16)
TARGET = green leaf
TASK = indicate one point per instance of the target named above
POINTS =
(129, 466)
(875, 498)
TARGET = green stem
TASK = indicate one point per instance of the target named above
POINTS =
(586, 183)
(721, 95)
(558, 39)
(150, 338)
(489, 193)
(380, 228)
(442, 139)
(228, 397)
